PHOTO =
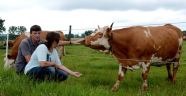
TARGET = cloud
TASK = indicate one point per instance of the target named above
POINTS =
(120, 4)
(85, 14)
(106, 5)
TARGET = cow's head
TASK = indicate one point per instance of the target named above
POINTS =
(101, 37)
(87, 42)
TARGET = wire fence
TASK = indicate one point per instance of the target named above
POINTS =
(3, 39)
(122, 59)
(115, 27)
(12, 37)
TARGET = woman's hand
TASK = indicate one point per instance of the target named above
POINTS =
(52, 64)
(77, 74)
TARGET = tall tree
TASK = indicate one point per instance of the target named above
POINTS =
(83, 35)
(21, 29)
(88, 32)
(16, 29)
(2, 27)
(12, 30)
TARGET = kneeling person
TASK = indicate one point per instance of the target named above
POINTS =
(45, 63)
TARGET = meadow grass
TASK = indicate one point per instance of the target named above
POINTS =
(99, 74)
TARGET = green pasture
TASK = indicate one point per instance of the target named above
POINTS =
(99, 74)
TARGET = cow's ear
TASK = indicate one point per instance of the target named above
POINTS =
(98, 27)
(108, 32)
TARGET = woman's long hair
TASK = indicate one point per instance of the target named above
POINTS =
(51, 37)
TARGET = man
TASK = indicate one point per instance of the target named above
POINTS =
(26, 48)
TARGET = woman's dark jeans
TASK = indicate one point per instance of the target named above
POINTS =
(47, 73)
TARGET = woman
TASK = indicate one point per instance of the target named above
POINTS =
(45, 63)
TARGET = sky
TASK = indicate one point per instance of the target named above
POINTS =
(85, 15)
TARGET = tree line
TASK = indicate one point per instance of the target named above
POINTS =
(17, 30)
(14, 30)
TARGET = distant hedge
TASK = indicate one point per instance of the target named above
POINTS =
(4, 36)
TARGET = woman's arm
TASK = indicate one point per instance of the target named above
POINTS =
(46, 63)
(62, 67)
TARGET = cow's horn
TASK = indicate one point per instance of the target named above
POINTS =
(98, 27)
(111, 25)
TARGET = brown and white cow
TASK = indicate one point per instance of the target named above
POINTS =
(14, 50)
(140, 46)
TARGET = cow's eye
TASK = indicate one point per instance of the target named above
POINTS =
(100, 35)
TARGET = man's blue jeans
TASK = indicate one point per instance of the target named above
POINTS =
(47, 73)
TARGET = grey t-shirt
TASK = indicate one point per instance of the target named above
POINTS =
(26, 47)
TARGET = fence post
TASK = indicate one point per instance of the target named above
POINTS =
(6, 66)
(69, 34)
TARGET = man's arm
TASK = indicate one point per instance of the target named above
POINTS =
(25, 50)
(27, 57)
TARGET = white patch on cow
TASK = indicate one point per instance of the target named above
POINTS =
(93, 34)
(8, 63)
(104, 51)
(120, 71)
(102, 30)
(155, 59)
(144, 66)
(134, 67)
(177, 55)
(138, 65)
(156, 48)
(176, 64)
(101, 41)
(145, 83)
(147, 33)
(180, 41)
(27, 34)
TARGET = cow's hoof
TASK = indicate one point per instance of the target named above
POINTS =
(115, 88)
(170, 78)
(144, 87)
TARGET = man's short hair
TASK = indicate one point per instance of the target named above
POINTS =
(35, 28)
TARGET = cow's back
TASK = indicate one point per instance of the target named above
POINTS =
(142, 43)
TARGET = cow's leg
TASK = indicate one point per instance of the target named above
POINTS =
(176, 63)
(146, 68)
(169, 71)
(121, 74)
(60, 51)
(175, 69)
(63, 50)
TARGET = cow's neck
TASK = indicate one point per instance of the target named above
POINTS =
(109, 41)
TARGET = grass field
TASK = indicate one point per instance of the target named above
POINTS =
(99, 74)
